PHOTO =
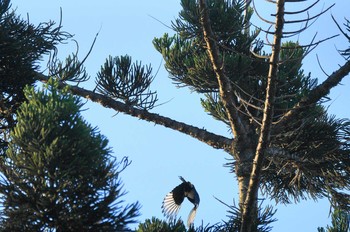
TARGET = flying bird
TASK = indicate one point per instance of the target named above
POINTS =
(173, 200)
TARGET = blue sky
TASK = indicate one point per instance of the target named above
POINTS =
(159, 155)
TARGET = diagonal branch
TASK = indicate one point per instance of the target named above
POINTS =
(250, 201)
(225, 88)
(213, 140)
(316, 94)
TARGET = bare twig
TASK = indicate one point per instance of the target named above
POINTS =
(300, 11)
(319, 65)
(308, 19)
(260, 17)
(339, 27)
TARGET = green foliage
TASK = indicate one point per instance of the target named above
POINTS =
(316, 162)
(22, 45)
(340, 222)
(233, 224)
(185, 53)
(157, 225)
(70, 70)
(58, 174)
(121, 79)
(263, 223)
(301, 171)
(244, 61)
(293, 84)
(214, 106)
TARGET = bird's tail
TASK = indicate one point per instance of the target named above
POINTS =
(191, 216)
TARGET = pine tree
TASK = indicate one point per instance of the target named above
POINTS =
(22, 45)
(58, 173)
(340, 222)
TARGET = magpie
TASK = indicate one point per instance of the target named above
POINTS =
(173, 200)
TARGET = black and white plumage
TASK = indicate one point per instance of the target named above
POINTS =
(173, 200)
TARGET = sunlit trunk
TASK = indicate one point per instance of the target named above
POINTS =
(243, 170)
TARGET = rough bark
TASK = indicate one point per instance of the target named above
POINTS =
(243, 149)
(213, 140)
(249, 207)
(243, 169)
(225, 89)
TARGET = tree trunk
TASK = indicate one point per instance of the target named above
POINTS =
(243, 170)
(243, 185)
(249, 206)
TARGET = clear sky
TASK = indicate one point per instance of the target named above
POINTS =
(159, 155)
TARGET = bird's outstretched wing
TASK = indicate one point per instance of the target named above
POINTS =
(172, 201)
(169, 207)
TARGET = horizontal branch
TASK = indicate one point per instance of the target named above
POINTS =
(213, 140)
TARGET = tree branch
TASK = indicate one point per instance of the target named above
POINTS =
(213, 140)
(250, 201)
(225, 88)
(316, 94)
